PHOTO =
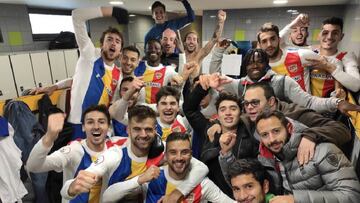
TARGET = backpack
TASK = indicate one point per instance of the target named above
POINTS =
(65, 40)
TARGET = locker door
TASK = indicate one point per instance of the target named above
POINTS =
(7, 84)
(57, 65)
(71, 57)
(23, 73)
(41, 68)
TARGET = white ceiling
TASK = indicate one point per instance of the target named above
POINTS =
(142, 6)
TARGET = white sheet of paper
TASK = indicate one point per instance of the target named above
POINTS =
(231, 64)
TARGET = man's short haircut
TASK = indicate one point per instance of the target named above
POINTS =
(157, 4)
(126, 79)
(268, 90)
(334, 21)
(225, 96)
(112, 31)
(151, 41)
(133, 49)
(100, 108)
(267, 27)
(250, 58)
(268, 113)
(246, 167)
(140, 113)
(192, 32)
(167, 91)
(175, 136)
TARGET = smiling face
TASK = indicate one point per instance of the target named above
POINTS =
(273, 134)
(111, 47)
(269, 42)
(299, 36)
(254, 102)
(256, 68)
(141, 133)
(229, 114)
(168, 41)
(330, 36)
(129, 60)
(153, 52)
(247, 189)
(159, 15)
(178, 156)
(168, 108)
(191, 42)
(96, 126)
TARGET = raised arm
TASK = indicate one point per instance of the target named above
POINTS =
(293, 91)
(189, 18)
(117, 191)
(119, 108)
(81, 15)
(215, 38)
(302, 20)
(216, 59)
(38, 160)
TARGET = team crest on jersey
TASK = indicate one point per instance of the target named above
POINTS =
(99, 160)
(176, 129)
(293, 68)
(158, 75)
(190, 197)
(65, 150)
(153, 84)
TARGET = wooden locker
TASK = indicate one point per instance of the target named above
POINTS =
(71, 57)
(23, 72)
(7, 84)
(41, 68)
(57, 65)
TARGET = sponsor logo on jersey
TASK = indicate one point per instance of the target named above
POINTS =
(153, 84)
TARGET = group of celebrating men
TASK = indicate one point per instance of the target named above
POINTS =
(140, 129)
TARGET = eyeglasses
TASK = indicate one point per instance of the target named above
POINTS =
(253, 103)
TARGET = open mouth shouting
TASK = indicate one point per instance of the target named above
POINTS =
(96, 134)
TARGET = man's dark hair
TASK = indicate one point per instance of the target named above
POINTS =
(151, 41)
(250, 58)
(334, 21)
(126, 79)
(267, 27)
(227, 96)
(174, 136)
(167, 91)
(140, 113)
(100, 108)
(192, 32)
(113, 31)
(157, 4)
(132, 48)
(248, 166)
(267, 113)
(268, 90)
